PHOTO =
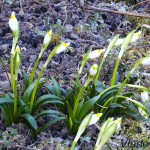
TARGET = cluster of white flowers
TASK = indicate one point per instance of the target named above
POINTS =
(135, 37)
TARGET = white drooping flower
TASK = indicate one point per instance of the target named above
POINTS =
(93, 70)
(95, 118)
(144, 96)
(96, 53)
(13, 23)
(119, 42)
(62, 47)
(146, 61)
(47, 38)
(119, 124)
(136, 36)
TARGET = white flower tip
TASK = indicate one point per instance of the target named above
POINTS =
(146, 61)
(139, 33)
(13, 23)
(93, 70)
(62, 47)
(119, 120)
(144, 96)
(17, 48)
(12, 15)
(96, 53)
(95, 118)
(119, 42)
(47, 37)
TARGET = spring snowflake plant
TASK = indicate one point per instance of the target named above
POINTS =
(26, 107)
(93, 96)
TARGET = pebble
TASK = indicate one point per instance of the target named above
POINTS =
(32, 58)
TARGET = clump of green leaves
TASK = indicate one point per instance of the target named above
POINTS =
(26, 106)
(111, 100)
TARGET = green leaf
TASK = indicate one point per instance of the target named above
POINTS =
(87, 106)
(46, 113)
(50, 88)
(70, 111)
(107, 93)
(6, 101)
(50, 123)
(57, 87)
(6, 114)
(79, 108)
(99, 87)
(20, 110)
(26, 80)
(27, 93)
(45, 99)
(30, 119)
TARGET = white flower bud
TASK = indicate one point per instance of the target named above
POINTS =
(136, 36)
(144, 96)
(95, 54)
(47, 38)
(13, 23)
(119, 42)
(146, 61)
(119, 124)
(95, 118)
(62, 47)
(93, 70)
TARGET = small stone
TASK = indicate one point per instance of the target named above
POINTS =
(32, 58)
(74, 36)
(69, 28)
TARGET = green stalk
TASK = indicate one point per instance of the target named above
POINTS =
(85, 59)
(110, 46)
(123, 48)
(73, 145)
(115, 72)
(37, 62)
(39, 77)
(128, 76)
(15, 96)
(34, 70)
(15, 40)
(76, 102)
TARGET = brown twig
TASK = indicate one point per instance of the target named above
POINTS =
(116, 12)
(140, 3)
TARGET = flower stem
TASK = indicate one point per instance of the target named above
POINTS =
(76, 102)
(110, 46)
(15, 40)
(39, 77)
(73, 146)
(15, 96)
(34, 70)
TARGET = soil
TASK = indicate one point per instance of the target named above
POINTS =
(70, 22)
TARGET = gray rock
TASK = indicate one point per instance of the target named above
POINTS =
(32, 58)
(69, 28)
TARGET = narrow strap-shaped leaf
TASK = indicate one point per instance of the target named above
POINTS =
(46, 113)
(45, 99)
(6, 114)
(70, 111)
(30, 119)
(87, 105)
(50, 88)
(79, 109)
(50, 123)
(57, 87)
(20, 110)
(26, 80)
(6, 101)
